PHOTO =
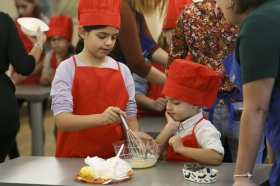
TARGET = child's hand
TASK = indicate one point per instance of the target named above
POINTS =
(143, 136)
(159, 104)
(111, 115)
(176, 143)
(171, 122)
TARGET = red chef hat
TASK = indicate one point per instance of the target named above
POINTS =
(192, 83)
(99, 12)
(174, 9)
(60, 25)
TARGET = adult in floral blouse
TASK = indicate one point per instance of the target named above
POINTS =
(203, 32)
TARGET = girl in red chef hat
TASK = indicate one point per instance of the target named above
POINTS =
(188, 135)
(90, 89)
(150, 101)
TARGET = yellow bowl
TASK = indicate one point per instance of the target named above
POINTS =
(135, 156)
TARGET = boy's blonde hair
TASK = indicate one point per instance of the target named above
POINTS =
(149, 7)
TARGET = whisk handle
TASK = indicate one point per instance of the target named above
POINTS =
(126, 127)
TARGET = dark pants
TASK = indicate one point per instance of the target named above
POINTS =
(14, 153)
(7, 140)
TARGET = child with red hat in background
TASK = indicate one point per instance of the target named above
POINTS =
(91, 89)
(150, 101)
(59, 37)
(192, 138)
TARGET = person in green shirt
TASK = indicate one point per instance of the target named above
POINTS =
(258, 53)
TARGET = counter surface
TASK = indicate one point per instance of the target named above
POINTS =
(35, 170)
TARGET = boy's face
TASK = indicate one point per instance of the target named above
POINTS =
(180, 110)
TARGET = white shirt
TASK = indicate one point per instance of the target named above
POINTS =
(207, 136)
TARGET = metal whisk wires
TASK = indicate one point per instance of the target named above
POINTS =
(136, 146)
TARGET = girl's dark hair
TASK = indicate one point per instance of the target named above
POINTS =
(71, 50)
(80, 44)
(241, 6)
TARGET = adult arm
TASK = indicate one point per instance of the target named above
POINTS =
(256, 105)
(160, 56)
(16, 57)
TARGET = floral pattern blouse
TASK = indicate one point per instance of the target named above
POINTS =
(207, 37)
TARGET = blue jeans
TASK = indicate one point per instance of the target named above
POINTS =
(220, 121)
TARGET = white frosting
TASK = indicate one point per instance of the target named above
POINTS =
(110, 168)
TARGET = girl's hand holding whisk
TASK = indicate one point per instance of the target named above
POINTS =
(111, 115)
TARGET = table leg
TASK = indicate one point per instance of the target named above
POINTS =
(37, 128)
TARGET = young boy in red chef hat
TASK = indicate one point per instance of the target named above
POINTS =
(91, 89)
(189, 136)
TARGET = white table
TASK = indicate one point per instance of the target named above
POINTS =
(35, 95)
(37, 171)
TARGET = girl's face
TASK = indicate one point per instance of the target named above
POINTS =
(180, 110)
(100, 42)
(168, 36)
(59, 44)
(225, 6)
(25, 7)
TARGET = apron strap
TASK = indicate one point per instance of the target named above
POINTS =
(232, 112)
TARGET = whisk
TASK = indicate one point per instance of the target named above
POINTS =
(135, 144)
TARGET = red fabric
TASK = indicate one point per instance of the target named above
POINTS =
(60, 25)
(99, 12)
(174, 9)
(34, 78)
(154, 92)
(188, 141)
(94, 90)
(192, 83)
(54, 63)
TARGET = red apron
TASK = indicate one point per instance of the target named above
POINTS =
(54, 63)
(154, 92)
(28, 45)
(94, 90)
(188, 141)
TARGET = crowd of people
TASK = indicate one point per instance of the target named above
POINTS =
(186, 76)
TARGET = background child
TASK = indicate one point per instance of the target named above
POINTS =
(150, 101)
(59, 37)
(190, 86)
(90, 89)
